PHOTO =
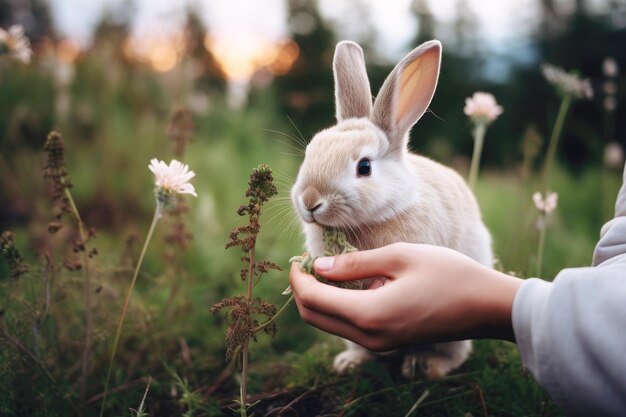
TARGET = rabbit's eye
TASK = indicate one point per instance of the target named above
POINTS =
(364, 167)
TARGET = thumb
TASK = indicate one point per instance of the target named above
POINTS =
(379, 262)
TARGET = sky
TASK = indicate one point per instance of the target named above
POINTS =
(244, 19)
(243, 32)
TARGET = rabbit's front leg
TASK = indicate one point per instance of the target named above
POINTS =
(353, 356)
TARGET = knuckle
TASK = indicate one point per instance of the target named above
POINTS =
(350, 261)
(306, 316)
(306, 298)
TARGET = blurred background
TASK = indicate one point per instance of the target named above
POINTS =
(226, 85)
(244, 82)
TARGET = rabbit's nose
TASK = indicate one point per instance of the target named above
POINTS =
(312, 209)
(312, 200)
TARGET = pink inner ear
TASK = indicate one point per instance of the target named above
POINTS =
(417, 85)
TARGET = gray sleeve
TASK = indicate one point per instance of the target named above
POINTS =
(571, 332)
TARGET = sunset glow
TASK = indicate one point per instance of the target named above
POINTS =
(241, 57)
(161, 53)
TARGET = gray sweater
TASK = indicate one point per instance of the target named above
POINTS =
(571, 333)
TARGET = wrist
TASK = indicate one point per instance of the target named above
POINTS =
(493, 305)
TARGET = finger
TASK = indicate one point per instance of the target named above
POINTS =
(326, 299)
(333, 325)
(381, 262)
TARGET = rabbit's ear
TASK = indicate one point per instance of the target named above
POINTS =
(353, 96)
(407, 92)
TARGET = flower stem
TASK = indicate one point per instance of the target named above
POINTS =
(274, 317)
(155, 220)
(479, 137)
(542, 241)
(554, 139)
(87, 293)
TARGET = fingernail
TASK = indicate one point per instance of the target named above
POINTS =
(324, 263)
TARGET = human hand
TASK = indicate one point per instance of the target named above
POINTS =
(429, 294)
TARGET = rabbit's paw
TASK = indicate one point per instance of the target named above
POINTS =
(433, 366)
(349, 359)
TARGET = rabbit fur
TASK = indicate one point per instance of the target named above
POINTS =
(405, 198)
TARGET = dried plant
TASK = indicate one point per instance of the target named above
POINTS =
(14, 259)
(243, 311)
(178, 237)
(55, 171)
(180, 130)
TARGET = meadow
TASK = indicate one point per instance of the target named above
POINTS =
(114, 118)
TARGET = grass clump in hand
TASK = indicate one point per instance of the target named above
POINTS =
(335, 243)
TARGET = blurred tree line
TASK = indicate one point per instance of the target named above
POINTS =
(579, 39)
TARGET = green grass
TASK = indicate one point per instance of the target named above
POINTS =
(111, 134)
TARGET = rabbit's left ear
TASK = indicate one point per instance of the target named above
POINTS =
(353, 97)
(407, 92)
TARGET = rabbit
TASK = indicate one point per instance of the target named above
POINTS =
(360, 177)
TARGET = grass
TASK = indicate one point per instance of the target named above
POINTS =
(175, 342)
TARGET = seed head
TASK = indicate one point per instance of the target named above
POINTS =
(54, 167)
(14, 259)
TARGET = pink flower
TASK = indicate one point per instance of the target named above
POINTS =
(172, 178)
(547, 204)
(567, 84)
(15, 43)
(482, 108)
(613, 155)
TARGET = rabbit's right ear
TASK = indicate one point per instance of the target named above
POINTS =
(353, 96)
(406, 93)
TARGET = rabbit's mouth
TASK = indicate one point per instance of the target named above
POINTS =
(327, 218)
(327, 210)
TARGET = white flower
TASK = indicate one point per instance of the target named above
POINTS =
(15, 43)
(613, 155)
(172, 178)
(610, 67)
(482, 108)
(567, 84)
(547, 204)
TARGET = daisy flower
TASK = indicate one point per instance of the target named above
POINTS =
(170, 180)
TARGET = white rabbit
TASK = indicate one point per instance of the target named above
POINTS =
(359, 176)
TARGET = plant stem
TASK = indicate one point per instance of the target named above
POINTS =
(554, 139)
(274, 317)
(155, 220)
(542, 240)
(88, 317)
(479, 138)
(243, 388)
